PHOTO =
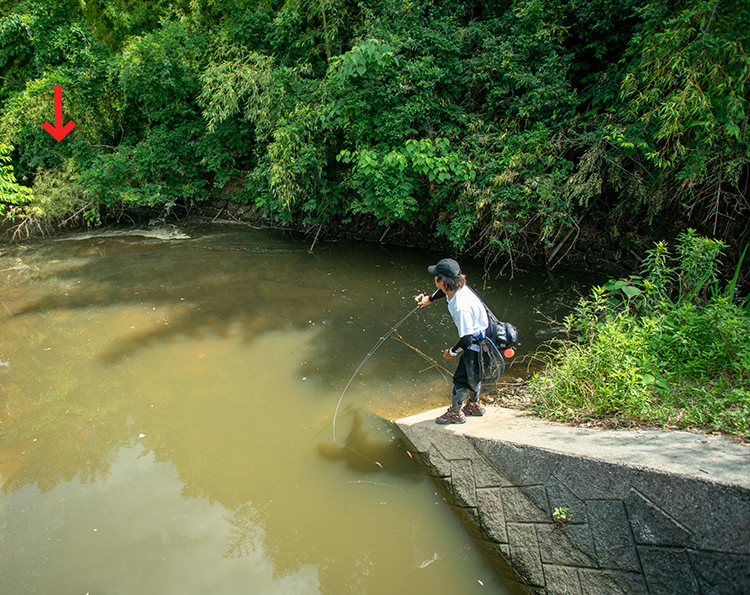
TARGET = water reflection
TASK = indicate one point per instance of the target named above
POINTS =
(166, 419)
(134, 532)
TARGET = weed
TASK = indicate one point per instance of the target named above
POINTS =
(562, 518)
(670, 347)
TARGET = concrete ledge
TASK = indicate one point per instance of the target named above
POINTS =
(650, 511)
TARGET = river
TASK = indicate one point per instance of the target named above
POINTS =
(167, 416)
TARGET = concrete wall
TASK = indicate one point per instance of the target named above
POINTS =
(650, 512)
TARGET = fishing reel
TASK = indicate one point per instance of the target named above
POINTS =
(419, 298)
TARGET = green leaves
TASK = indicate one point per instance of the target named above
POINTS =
(685, 97)
(675, 350)
(369, 56)
(12, 194)
(386, 182)
(245, 84)
(628, 290)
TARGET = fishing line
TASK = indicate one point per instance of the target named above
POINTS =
(427, 358)
(6, 306)
(368, 356)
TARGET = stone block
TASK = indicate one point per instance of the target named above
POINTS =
(462, 476)
(519, 464)
(667, 571)
(613, 540)
(491, 514)
(493, 452)
(594, 480)
(418, 435)
(527, 562)
(568, 546)
(561, 580)
(522, 535)
(611, 582)
(485, 475)
(651, 525)
(719, 573)
(440, 466)
(452, 446)
(561, 496)
(717, 516)
(527, 504)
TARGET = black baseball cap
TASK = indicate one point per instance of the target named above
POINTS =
(445, 268)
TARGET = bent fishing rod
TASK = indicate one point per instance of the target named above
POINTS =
(370, 354)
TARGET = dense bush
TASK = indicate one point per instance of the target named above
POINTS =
(669, 347)
(507, 126)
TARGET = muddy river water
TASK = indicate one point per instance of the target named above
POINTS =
(166, 411)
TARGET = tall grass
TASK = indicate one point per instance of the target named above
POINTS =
(669, 347)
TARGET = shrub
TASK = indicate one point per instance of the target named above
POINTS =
(671, 347)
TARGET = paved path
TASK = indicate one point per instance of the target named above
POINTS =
(707, 457)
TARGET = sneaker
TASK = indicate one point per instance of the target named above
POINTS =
(451, 418)
(475, 409)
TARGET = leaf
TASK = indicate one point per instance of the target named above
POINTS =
(631, 291)
(733, 130)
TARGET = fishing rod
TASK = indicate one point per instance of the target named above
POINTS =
(369, 355)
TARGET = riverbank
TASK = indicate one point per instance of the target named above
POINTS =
(582, 510)
(590, 250)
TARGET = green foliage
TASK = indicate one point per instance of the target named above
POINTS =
(525, 76)
(497, 125)
(296, 164)
(669, 347)
(686, 97)
(157, 74)
(387, 182)
(15, 50)
(371, 55)
(12, 194)
(243, 83)
(59, 197)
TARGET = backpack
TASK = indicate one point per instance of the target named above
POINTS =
(502, 334)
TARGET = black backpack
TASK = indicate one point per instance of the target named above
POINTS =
(502, 334)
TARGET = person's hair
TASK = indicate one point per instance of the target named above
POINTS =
(453, 284)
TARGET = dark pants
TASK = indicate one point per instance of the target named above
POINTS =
(467, 381)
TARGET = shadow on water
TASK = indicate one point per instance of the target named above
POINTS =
(365, 454)
(214, 286)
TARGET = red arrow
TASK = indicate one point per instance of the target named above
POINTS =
(58, 130)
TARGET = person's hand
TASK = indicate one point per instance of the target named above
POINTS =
(425, 301)
(447, 354)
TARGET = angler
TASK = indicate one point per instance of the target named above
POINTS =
(472, 319)
(481, 337)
